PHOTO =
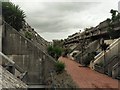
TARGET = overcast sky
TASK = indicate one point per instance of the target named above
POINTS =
(57, 20)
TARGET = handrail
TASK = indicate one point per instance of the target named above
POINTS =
(13, 63)
(116, 41)
(9, 60)
(108, 48)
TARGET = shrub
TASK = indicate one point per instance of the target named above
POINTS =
(55, 52)
(58, 52)
(50, 51)
(13, 15)
(28, 35)
(60, 66)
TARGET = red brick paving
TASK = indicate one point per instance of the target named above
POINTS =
(87, 78)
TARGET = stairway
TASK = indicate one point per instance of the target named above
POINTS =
(108, 61)
(111, 51)
(91, 47)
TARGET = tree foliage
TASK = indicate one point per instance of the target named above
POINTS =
(60, 66)
(104, 46)
(54, 51)
(13, 15)
(115, 15)
(28, 35)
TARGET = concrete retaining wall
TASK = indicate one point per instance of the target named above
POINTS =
(27, 55)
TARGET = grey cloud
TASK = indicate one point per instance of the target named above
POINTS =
(64, 17)
(55, 16)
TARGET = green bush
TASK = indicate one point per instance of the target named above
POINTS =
(55, 52)
(50, 51)
(28, 35)
(13, 15)
(60, 66)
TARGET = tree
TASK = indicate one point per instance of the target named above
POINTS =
(54, 51)
(113, 12)
(50, 51)
(13, 15)
(115, 15)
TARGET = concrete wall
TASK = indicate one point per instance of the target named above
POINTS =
(27, 55)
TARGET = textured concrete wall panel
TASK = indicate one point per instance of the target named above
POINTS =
(27, 55)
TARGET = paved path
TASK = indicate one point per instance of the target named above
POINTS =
(87, 78)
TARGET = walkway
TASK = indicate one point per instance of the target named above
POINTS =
(87, 78)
